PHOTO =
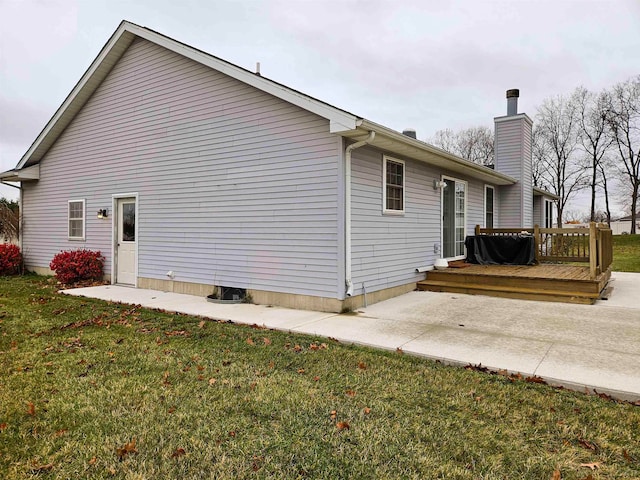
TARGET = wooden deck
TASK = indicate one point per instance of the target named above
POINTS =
(546, 282)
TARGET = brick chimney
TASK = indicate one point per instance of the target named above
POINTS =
(513, 158)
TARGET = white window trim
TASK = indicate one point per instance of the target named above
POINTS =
(385, 210)
(466, 213)
(84, 219)
(493, 212)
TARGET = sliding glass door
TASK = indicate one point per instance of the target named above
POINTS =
(454, 212)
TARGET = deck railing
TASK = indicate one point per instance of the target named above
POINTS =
(591, 245)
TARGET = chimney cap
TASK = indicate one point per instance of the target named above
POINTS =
(410, 132)
(514, 92)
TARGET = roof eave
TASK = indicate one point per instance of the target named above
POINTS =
(24, 175)
(339, 120)
(542, 192)
(400, 144)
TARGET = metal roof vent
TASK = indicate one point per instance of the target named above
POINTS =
(512, 101)
(409, 132)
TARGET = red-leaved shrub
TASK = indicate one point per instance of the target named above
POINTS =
(10, 259)
(72, 266)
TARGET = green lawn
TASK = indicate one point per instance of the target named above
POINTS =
(90, 389)
(626, 253)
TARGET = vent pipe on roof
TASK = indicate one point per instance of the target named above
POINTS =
(258, 68)
(512, 101)
(409, 132)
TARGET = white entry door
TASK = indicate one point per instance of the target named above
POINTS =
(126, 241)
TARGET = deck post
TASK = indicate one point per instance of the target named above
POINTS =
(593, 250)
(477, 230)
(536, 242)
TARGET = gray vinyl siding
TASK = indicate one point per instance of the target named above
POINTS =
(235, 187)
(513, 157)
(387, 249)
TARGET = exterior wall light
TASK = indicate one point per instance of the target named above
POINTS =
(439, 184)
(102, 213)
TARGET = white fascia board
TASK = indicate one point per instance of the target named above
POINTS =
(339, 120)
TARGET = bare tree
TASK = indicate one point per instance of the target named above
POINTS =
(474, 144)
(9, 220)
(594, 136)
(540, 152)
(603, 166)
(623, 118)
(557, 141)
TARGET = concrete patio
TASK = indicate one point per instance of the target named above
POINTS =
(583, 347)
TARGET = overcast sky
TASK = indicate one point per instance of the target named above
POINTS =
(424, 64)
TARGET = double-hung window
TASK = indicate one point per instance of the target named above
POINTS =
(76, 217)
(393, 180)
(489, 195)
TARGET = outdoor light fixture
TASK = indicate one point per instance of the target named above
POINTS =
(439, 184)
(102, 213)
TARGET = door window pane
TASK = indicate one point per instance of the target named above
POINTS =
(129, 222)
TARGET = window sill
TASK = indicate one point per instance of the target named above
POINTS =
(394, 213)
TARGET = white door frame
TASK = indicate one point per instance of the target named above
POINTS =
(466, 206)
(114, 234)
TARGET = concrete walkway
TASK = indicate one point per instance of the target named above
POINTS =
(592, 347)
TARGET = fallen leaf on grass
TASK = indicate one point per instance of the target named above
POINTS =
(212, 381)
(3, 426)
(535, 379)
(301, 371)
(343, 426)
(334, 414)
(60, 433)
(297, 348)
(42, 468)
(350, 393)
(366, 410)
(31, 409)
(201, 324)
(93, 461)
(171, 410)
(165, 378)
(592, 466)
(625, 454)
(316, 378)
(266, 341)
(588, 477)
(179, 452)
(126, 449)
(399, 351)
(588, 445)
(362, 366)
(556, 475)
(250, 341)
(177, 333)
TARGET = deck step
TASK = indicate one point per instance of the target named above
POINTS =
(509, 292)
(509, 289)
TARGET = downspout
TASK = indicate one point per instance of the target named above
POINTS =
(19, 212)
(347, 208)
